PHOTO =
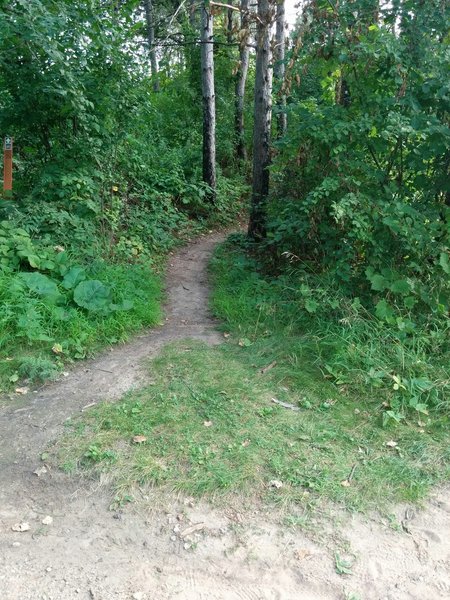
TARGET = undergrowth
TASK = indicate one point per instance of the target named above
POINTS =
(403, 373)
(41, 333)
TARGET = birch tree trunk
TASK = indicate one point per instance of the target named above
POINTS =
(209, 101)
(279, 67)
(241, 79)
(263, 116)
(148, 5)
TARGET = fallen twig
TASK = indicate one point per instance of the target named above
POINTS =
(271, 366)
(352, 472)
(192, 529)
(285, 404)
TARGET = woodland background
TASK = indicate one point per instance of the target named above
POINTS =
(138, 125)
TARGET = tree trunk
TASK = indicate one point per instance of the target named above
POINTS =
(148, 5)
(279, 68)
(230, 14)
(209, 101)
(263, 115)
(241, 78)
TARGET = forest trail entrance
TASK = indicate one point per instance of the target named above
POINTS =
(26, 429)
(87, 552)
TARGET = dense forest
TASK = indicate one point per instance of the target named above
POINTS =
(138, 125)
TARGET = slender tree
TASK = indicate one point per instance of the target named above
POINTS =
(241, 78)
(279, 67)
(209, 100)
(149, 17)
(262, 117)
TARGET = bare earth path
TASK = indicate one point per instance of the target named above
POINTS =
(89, 552)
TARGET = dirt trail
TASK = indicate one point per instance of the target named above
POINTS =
(91, 553)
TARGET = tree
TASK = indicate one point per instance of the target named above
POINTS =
(209, 101)
(241, 78)
(279, 67)
(262, 117)
(149, 17)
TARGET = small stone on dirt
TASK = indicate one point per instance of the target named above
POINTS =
(20, 527)
(138, 596)
(301, 553)
(48, 520)
(41, 471)
(192, 529)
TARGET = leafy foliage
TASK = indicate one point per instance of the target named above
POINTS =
(362, 173)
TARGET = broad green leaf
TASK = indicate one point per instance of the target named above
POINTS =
(378, 282)
(444, 262)
(41, 284)
(125, 305)
(92, 295)
(311, 305)
(401, 286)
(384, 310)
(410, 301)
(73, 277)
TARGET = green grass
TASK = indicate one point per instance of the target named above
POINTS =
(406, 373)
(31, 327)
(211, 426)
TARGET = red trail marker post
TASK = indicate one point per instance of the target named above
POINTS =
(7, 166)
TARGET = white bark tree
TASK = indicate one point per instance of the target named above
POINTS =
(279, 67)
(241, 79)
(149, 18)
(209, 100)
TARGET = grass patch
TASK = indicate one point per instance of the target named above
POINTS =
(211, 427)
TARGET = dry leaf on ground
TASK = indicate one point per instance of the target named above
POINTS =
(139, 439)
(192, 529)
(22, 390)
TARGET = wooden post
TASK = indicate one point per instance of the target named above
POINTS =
(7, 165)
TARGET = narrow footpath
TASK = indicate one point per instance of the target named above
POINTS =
(73, 547)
